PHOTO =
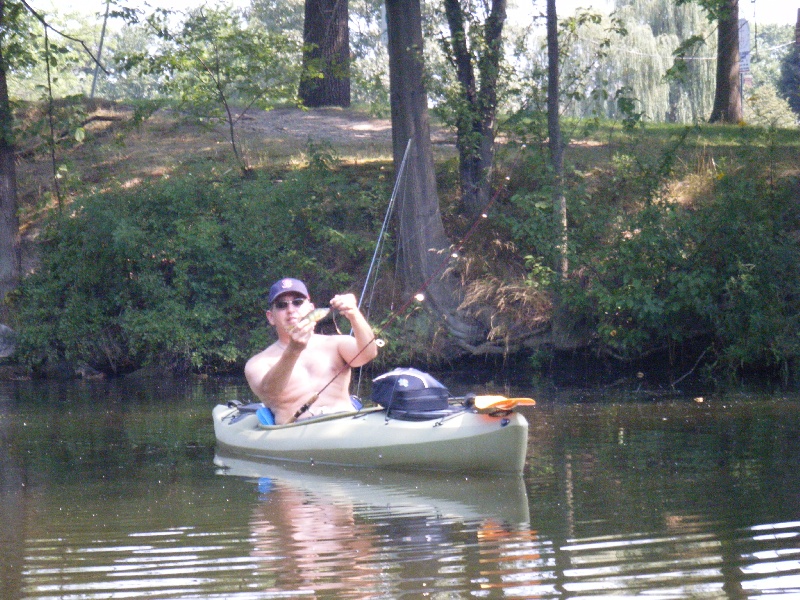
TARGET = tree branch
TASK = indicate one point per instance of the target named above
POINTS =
(47, 25)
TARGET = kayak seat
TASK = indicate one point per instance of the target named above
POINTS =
(265, 416)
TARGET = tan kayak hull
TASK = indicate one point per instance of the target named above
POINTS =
(467, 441)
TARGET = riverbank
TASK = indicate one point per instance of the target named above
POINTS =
(675, 237)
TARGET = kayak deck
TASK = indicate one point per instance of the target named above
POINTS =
(463, 440)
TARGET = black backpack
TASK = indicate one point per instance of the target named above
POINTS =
(405, 392)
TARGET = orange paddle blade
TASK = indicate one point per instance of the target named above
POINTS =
(485, 403)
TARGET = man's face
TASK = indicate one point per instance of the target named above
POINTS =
(287, 309)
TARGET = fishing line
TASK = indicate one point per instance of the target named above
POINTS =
(453, 253)
(418, 295)
(376, 256)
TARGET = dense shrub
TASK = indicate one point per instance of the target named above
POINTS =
(726, 270)
(717, 270)
(177, 271)
(750, 243)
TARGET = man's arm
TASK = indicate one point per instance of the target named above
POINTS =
(269, 377)
(359, 349)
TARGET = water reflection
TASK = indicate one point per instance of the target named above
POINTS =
(659, 499)
(365, 490)
(318, 547)
(109, 490)
(351, 530)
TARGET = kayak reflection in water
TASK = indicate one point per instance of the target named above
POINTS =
(367, 536)
(305, 374)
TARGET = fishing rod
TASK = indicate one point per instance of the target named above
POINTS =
(418, 295)
(375, 263)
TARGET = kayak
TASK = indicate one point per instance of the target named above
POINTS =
(459, 438)
(401, 493)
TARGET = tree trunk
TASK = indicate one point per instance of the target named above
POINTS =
(555, 143)
(476, 118)
(10, 264)
(326, 54)
(423, 246)
(560, 332)
(727, 97)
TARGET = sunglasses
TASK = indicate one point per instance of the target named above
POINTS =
(284, 304)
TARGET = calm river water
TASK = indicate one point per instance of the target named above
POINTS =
(113, 490)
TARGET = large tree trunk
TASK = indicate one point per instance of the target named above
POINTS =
(423, 246)
(727, 97)
(476, 118)
(326, 37)
(9, 224)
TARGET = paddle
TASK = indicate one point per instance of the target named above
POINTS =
(490, 403)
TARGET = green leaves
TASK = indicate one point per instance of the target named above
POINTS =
(217, 64)
(217, 53)
(679, 71)
(652, 269)
(177, 272)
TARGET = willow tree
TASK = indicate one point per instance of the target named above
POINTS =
(677, 24)
(672, 39)
(631, 53)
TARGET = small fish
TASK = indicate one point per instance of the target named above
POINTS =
(314, 316)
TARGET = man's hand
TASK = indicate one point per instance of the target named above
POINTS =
(346, 305)
(359, 349)
(301, 333)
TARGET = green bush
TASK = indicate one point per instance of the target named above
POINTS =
(649, 272)
(750, 242)
(727, 271)
(177, 272)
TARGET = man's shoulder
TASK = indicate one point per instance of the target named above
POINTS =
(265, 355)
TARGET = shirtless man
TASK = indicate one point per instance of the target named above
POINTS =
(303, 364)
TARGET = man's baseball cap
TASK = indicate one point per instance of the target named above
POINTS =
(285, 285)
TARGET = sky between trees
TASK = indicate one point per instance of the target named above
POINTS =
(756, 11)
